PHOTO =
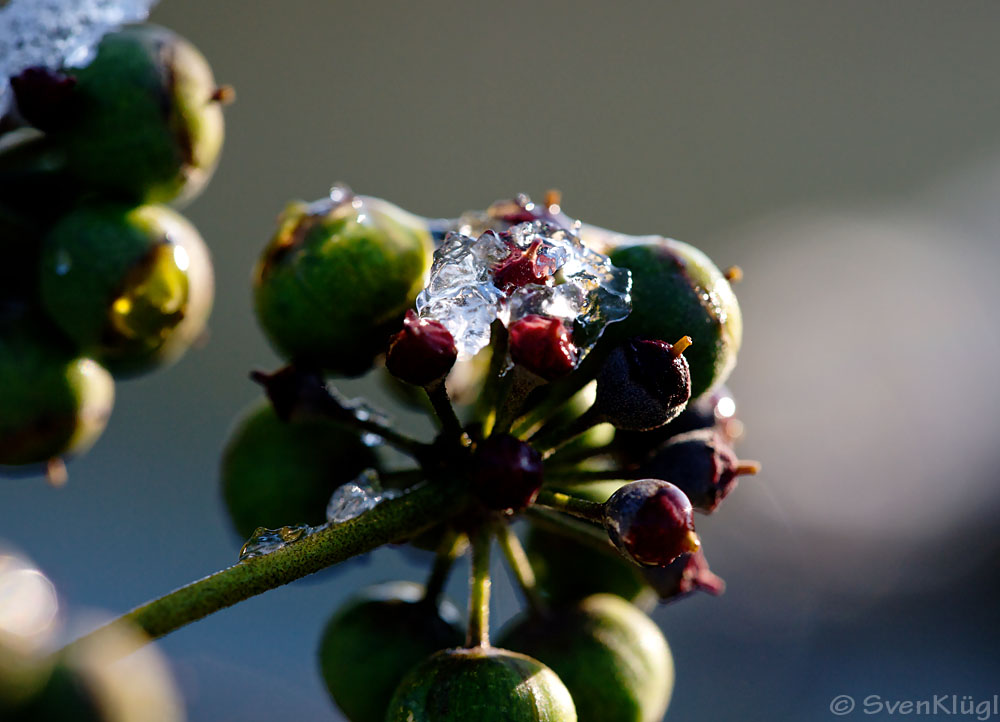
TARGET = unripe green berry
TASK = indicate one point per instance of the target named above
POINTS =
(333, 284)
(53, 403)
(612, 657)
(370, 644)
(677, 291)
(481, 684)
(132, 286)
(146, 117)
(277, 473)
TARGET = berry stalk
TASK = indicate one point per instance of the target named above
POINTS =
(479, 589)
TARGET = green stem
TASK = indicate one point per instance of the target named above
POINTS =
(582, 508)
(479, 589)
(569, 457)
(391, 521)
(518, 561)
(451, 547)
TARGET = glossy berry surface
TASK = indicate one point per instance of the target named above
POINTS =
(131, 286)
(612, 657)
(145, 119)
(333, 284)
(507, 473)
(483, 684)
(650, 521)
(53, 403)
(422, 353)
(277, 473)
(543, 345)
(371, 642)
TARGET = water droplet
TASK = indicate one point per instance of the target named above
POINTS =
(264, 541)
(372, 440)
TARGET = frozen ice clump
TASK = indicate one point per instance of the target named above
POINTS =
(264, 541)
(354, 498)
(534, 267)
(58, 33)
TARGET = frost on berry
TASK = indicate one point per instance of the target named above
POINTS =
(530, 268)
(58, 33)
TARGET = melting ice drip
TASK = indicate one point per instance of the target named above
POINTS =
(349, 501)
(58, 33)
(583, 288)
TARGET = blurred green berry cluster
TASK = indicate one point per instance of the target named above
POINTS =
(100, 280)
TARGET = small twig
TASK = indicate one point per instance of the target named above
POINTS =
(452, 546)
(519, 563)
(562, 474)
(583, 508)
(553, 435)
(443, 410)
(582, 531)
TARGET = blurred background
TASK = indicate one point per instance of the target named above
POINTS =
(846, 155)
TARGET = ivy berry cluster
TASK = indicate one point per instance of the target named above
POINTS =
(538, 346)
(100, 279)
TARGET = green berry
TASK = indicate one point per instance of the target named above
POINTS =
(333, 284)
(612, 657)
(277, 473)
(53, 403)
(370, 644)
(146, 117)
(482, 684)
(677, 291)
(132, 286)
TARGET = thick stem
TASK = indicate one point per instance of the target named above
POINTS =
(391, 521)
(521, 566)
(479, 589)
(582, 508)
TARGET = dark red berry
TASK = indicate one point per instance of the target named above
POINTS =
(422, 353)
(685, 575)
(507, 473)
(643, 384)
(543, 346)
(44, 97)
(702, 464)
(651, 522)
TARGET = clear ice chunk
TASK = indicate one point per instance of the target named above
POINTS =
(581, 286)
(354, 498)
(264, 541)
(58, 33)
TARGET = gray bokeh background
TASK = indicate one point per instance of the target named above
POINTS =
(846, 155)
